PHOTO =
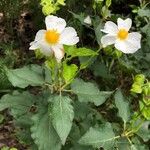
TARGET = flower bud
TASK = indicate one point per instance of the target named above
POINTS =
(88, 20)
(136, 88)
(139, 79)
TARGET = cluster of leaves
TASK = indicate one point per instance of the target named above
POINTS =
(51, 6)
(47, 117)
(140, 87)
(84, 102)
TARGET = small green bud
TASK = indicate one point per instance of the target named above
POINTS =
(13, 148)
(136, 88)
(117, 53)
(61, 2)
(146, 94)
(5, 148)
(146, 100)
(145, 111)
(139, 78)
(108, 50)
(145, 90)
(38, 54)
(47, 10)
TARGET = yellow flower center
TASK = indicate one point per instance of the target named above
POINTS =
(122, 34)
(52, 36)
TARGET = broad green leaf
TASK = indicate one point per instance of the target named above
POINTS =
(123, 144)
(85, 62)
(48, 75)
(138, 147)
(97, 28)
(44, 133)
(89, 92)
(24, 135)
(144, 12)
(81, 147)
(78, 52)
(133, 147)
(28, 75)
(69, 72)
(80, 17)
(19, 103)
(137, 144)
(99, 137)
(75, 134)
(122, 105)
(62, 116)
(144, 131)
(100, 69)
(4, 82)
(81, 113)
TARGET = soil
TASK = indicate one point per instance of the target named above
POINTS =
(7, 133)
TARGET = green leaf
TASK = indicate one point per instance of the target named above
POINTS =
(100, 69)
(122, 105)
(13, 149)
(99, 137)
(62, 116)
(105, 12)
(1, 118)
(28, 75)
(4, 82)
(80, 17)
(5, 148)
(145, 110)
(89, 92)
(144, 131)
(19, 103)
(81, 147)
(144, 12)
(43, 132)
(138, 147)
(123, 144)
(133, 147)
(48, 75)
(78, 52)
(69, 72)
(108, 3)
(97, 28)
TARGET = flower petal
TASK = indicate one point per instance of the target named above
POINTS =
(45, 48)
(88, 20)
(55, 23)
(127, 46)
(39, 36)
(110, 28)
(108, 40)
(124, 24)
(135, 39)
(69, 36)
(58, 52)
(34, 45)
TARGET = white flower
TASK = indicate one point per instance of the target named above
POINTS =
(87, 20)
(52, 39)
(120, 36)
